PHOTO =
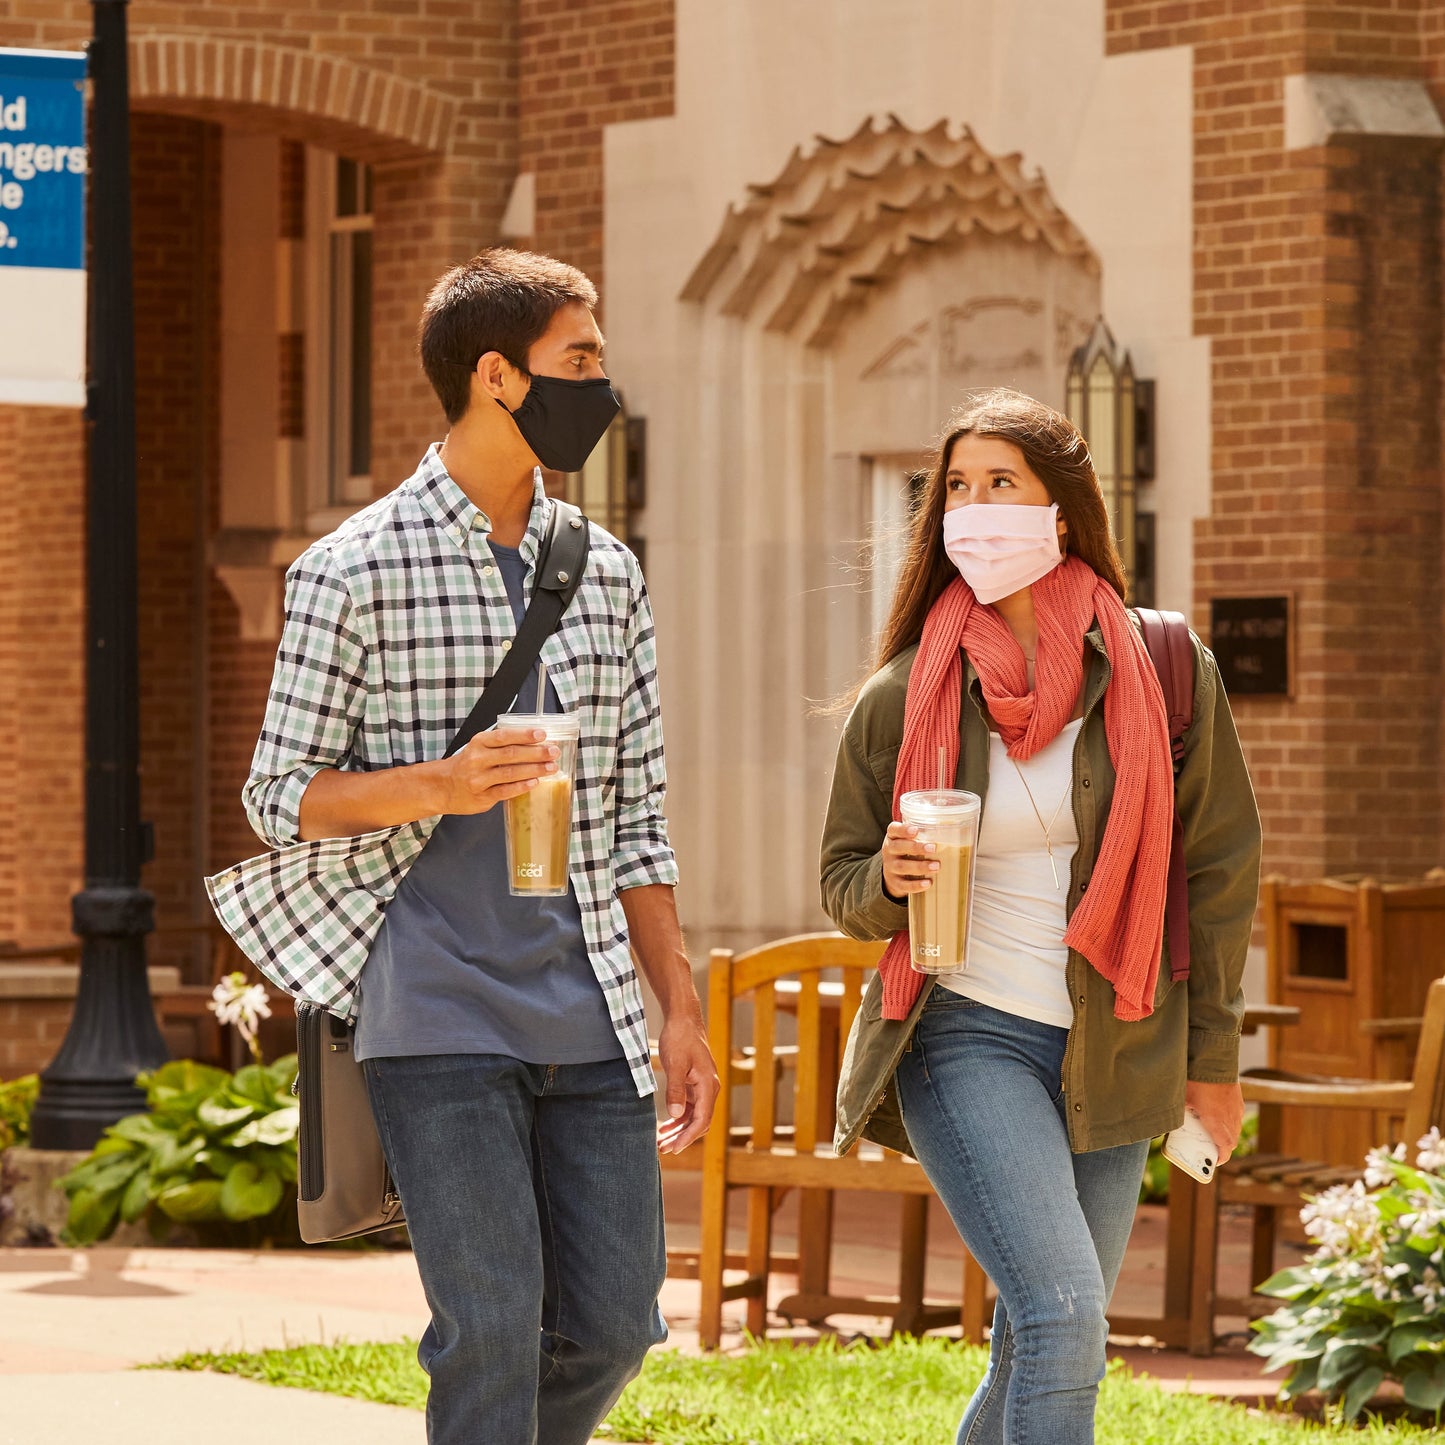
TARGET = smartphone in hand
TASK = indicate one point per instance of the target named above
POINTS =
(1191, 1148)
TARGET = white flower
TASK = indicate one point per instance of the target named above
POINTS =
(1431, 1157)
(1344, 1220)
(234, 1001)
(1377, 1171)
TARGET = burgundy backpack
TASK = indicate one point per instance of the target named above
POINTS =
(1166, 635)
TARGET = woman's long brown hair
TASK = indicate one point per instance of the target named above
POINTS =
(1055, 452)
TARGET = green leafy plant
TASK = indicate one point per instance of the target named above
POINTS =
(1368, 1305)
(215, 1151)
(17, 1099)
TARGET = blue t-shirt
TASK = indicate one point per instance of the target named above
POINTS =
(462, 967)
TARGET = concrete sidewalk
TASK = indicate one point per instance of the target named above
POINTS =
(74, 1323)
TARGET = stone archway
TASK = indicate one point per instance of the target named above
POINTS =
(370, 114)
(839, 313)
(840, 220)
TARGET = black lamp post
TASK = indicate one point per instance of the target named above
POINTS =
(112, 1034)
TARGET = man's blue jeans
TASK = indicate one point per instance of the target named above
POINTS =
(534, 1202)
(984, 1109)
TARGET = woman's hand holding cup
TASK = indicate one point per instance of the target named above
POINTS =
(494, 766)
(908, 864)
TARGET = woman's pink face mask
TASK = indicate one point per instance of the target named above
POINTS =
(1001, 549)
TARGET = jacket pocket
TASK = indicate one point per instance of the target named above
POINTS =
(1164, 984)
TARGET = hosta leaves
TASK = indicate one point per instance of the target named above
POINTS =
(191, 1203)
(1361, 1388)
(282, 1075)
(270, 1129)
(220, 1113)
(144, 1129)
(177, 1090)
(92, 1216)
(1288, 1283)
(1406, 1339)
(1370, 1333)
(249, 1192)
(1298, 1345)
(1425, 1388)
(173, 1156)
(1340, 1362)
(100, 1164)
(184, 1076)
(214, 1147)
(116, 1173)
(253, 1083)
(111, 1144)
(1302, 1379)
(136, 1197)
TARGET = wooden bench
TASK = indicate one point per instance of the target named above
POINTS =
(1272, 1180)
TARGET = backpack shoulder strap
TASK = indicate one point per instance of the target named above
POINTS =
(1166, 635)
(1171, 649)
(561, 560)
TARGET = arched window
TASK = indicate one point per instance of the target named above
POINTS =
(1101, 399)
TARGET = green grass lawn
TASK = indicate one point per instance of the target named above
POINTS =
(909, 1392)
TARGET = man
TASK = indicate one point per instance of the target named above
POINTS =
(503, 1038)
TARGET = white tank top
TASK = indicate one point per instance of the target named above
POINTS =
(1016, 950)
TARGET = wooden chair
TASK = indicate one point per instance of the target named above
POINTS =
(1270, 1181)
(682, 1262)
(761, 1159)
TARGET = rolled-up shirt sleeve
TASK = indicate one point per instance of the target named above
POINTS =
(317, 698)
(641, 853)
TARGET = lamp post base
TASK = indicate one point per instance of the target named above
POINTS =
(113, 1034)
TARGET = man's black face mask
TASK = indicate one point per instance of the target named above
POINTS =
(562, 421)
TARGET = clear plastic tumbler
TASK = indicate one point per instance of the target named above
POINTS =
(938, 917)
(539, 821)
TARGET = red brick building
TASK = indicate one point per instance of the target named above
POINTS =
(301, 174)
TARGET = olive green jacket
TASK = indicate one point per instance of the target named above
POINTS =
(1122, 1081)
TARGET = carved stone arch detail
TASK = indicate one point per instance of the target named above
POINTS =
(369, 114)
(845, 216)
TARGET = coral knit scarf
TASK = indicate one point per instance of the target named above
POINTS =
(1119, 923)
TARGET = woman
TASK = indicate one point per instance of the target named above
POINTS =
(1030, 1082)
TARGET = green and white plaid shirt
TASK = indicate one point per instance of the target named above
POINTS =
(395, 623)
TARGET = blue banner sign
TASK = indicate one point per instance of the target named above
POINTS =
(43, 164)
(42, 159)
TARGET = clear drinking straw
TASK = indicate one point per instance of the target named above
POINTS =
(942, 767)
(541, 688)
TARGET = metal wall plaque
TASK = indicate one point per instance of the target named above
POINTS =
(1250, 638)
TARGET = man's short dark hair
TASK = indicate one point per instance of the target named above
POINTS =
(501, 300)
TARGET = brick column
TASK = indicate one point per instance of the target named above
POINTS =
(1317, 282)
(42, 540)
(585, 65)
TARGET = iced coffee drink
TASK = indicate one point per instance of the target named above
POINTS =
(938, 917)
(539, 821)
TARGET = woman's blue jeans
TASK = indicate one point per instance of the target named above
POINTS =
(534, 1203)
(985, 1112)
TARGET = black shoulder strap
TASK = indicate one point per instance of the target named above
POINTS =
(560, 564)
